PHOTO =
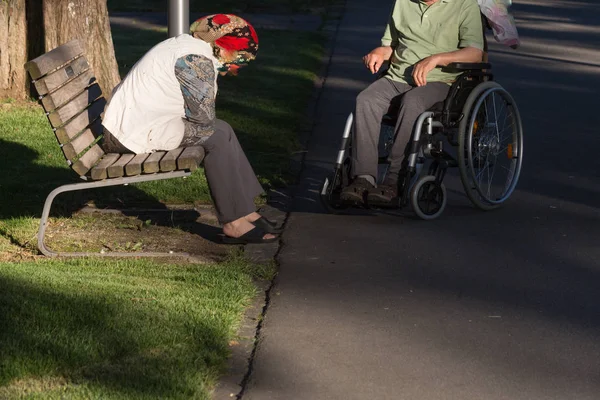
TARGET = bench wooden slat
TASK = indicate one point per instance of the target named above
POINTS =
(53, 59)
(134, 167)
(190, 158)
(60, 77)
(79, 144)
(117, 169)
(67, 92)
(99, 172)
(169, 161)
(61, 115)
(151, 165)
(88, 160)
(67, 132)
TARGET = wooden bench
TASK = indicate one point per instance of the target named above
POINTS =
(74, 105)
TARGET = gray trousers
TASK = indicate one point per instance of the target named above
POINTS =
(231, 180)
(372, 104)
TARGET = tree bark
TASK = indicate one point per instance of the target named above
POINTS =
(13, 49)
(87, 20)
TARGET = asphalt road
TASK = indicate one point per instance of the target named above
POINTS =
(474, 305)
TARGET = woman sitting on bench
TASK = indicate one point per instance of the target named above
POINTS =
(167, 101)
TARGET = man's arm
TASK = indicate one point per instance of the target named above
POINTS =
(423, 67)
(466, 55)
(470, 45)
(375, 59)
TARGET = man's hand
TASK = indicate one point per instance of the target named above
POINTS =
(375, 59)
(422, 68)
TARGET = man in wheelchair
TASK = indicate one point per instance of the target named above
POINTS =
(421, 37)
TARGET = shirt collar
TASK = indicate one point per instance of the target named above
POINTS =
(441, 1)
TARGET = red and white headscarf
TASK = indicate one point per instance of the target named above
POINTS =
(233, 39)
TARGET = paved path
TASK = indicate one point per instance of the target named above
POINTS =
(499, 305)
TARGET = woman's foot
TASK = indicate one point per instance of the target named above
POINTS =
(263, 223)
(254, 235)
(240, 227)
(252, 217)
(242, 231)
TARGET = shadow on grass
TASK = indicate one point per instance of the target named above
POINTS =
(102, 342)
(26, 183)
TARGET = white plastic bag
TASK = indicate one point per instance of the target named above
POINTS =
(503, 24)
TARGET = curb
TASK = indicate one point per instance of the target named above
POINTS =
(240, 364)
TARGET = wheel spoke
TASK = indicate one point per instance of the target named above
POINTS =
(491, 177)
(491, 158)
(481, 171)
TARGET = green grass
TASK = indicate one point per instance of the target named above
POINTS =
(224, 6)
(265, 104)
(118, 329)
(91, 328)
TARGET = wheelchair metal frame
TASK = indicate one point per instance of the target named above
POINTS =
(445, 120)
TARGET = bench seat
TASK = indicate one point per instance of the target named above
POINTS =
(115, 165)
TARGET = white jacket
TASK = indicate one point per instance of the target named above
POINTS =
(146, 110)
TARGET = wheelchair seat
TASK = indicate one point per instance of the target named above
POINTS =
(450, 108)
(472, 74)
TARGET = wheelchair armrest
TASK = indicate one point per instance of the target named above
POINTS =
(460, 66)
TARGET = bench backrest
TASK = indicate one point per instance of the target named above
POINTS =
(73, 101)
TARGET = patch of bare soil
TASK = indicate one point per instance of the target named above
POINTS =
(30, 386)
(16, 254)
(164, 231)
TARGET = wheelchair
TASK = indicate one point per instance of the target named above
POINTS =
(477, 128)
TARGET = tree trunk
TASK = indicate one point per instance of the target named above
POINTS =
(87, 20)
(13, 49)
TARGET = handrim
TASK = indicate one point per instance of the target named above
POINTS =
(473, 189)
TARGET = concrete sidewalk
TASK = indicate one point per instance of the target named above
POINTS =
(302, 354)
(502, 305)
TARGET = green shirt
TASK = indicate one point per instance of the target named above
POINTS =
(416, 31)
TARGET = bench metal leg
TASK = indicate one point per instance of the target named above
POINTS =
(96, 184)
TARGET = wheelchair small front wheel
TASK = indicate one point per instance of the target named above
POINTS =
(428, 198)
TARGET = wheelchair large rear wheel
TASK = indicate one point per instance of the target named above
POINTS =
(490, 146)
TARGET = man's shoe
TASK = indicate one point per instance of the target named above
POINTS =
(355, 192)
(383, 195)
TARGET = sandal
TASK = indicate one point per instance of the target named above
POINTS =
(254, 235)
(267, 225)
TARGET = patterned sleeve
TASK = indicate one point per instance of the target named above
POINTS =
(196, 76)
